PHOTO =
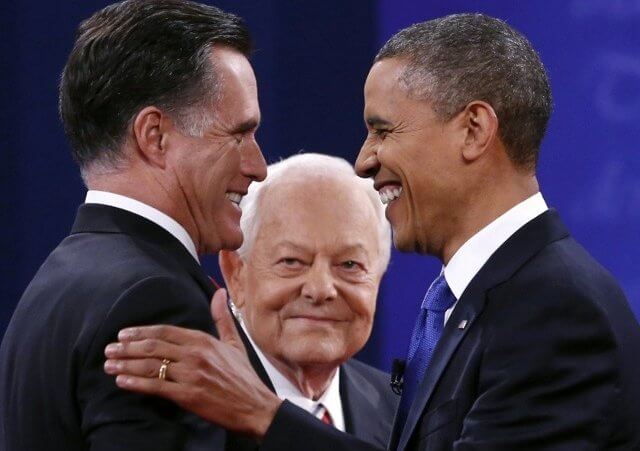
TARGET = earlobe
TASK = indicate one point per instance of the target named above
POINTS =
(481, 123)
(232, 268)
(150, 136)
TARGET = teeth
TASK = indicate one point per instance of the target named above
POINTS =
(234, 197)
(390, 194)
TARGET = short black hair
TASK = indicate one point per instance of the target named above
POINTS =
(460, 58)
(139, 53)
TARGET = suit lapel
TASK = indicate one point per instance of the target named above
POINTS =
(253, 357)
(509, 257)
(359, 401)
(468, 309)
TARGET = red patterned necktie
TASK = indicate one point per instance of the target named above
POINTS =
(326, 417)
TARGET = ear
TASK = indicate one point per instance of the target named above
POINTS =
(149, 128)
(232, 268)
(481, 123)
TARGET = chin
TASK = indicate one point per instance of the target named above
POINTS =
(317, 353)
(230, 240)
(403, 243)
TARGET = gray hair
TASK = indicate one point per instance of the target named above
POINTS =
(310, 163)
(460, 58)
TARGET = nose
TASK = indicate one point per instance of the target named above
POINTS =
(367, 164)
(319, 284)
(253, 164)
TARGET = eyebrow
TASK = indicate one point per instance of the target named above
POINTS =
(377, 121)
(287, 243)
(358, 247)
(343, 250)
(246, 126)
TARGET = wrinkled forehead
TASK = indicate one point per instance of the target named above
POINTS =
(315, 207)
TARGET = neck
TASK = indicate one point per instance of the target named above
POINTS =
(145, 187)
(312, 380)
(486, 206)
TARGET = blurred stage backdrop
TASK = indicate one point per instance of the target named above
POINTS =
(311, 61)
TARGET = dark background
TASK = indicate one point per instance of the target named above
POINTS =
(311, 62)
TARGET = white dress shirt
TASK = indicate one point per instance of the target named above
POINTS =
(146, 211)
(476, 251)
(330, 399)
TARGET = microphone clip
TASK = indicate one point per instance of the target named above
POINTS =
(397, 375)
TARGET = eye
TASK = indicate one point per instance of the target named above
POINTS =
(351, 265)
(380, 132)
(290, 262)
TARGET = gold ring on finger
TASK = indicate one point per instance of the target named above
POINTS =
(162, 374)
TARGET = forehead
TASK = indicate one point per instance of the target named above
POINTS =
(383, 91)
(237, 89)
(384, 76)
(318, 211)
(232, 68)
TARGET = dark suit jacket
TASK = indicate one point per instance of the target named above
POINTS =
(368, 403)
(547, 360)
(116, 269)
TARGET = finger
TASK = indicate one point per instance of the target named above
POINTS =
(165, 332)
(224, 321)
(153, 386)
(138, 367)
(147, 348)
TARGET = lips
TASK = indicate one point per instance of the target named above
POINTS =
(314, 318)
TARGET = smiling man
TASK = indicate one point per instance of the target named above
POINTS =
(304, 285)
(523, 342)
(160, 104)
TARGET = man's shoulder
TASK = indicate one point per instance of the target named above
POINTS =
(121, 259)
(93, 278)
(564, 274)
(367, 378)
(561, 289)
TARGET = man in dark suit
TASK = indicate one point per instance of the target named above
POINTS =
(304, 285)
(524, 341)
(159, 102)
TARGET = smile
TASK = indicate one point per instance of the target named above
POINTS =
(389, 193)
(234, 197)
(314, 318)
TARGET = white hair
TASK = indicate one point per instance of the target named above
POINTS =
(311, 163)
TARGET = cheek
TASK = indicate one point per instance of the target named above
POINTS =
(361, 301)
(265, 298)
(219, 167)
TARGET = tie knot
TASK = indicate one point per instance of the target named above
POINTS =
(325, 416)
(439, 297)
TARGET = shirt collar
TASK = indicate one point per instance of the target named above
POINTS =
(476, 251)
(146, 211)
(285, 389)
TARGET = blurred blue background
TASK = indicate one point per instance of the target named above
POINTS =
(311, 62)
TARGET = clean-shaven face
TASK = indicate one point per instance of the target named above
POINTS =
(309, 284)
(413, 157)
(214, 170)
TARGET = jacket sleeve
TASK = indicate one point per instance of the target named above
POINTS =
(293, 429)
(115, 419)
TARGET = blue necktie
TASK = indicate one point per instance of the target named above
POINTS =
(424, 339)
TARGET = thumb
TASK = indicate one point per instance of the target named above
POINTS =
(224, 321)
